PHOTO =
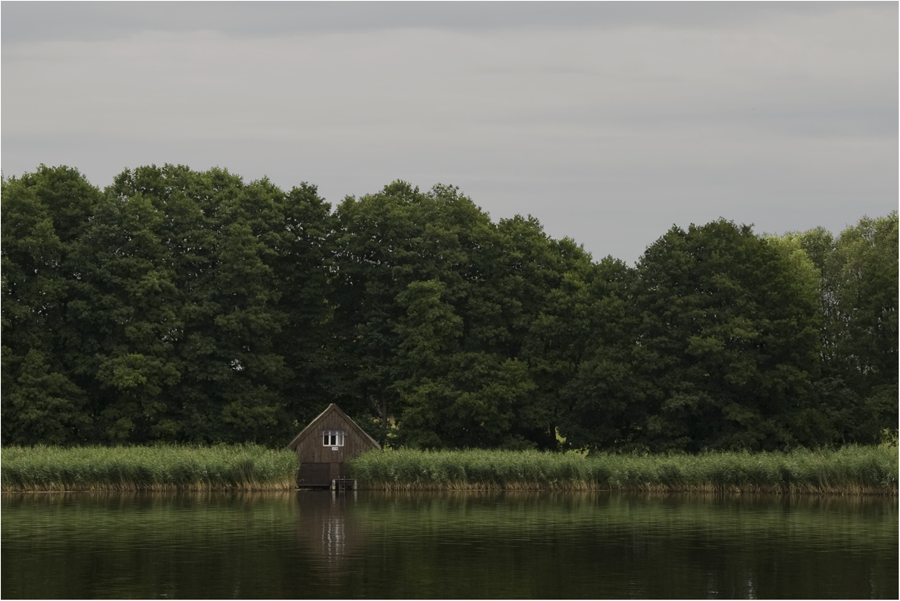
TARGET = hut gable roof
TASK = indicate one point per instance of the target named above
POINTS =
(332, 408)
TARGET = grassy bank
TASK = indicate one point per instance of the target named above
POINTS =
(240, 467)
(851, 470)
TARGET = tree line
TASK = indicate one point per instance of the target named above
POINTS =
(185, 306)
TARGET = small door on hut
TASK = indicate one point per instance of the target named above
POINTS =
(314, 474)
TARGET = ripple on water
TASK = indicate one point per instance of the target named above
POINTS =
(452, 545)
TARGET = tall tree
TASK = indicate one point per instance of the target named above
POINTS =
(473, 357)
(729, 337)
(301, 269)
(603, 396)
(858, 284)
(194, 280)
(45, 214)
(384, 243)
(192, 306)
(866, 297)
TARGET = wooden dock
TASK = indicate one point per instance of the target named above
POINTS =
(343, 484)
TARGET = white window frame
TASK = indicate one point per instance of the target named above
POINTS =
(333, 438)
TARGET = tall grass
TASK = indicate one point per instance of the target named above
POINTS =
(850, 470)
(239, 467)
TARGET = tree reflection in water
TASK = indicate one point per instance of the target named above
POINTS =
(467, 545)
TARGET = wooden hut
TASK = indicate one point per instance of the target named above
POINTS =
(326, 444)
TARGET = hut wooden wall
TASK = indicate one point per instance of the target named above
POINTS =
(311, 450)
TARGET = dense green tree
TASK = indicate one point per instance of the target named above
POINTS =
(493, 378)
(866, 299)
(858, 303)
(150, 254)
(532, 278)
(43, 405)
(383, 243)
(374, 242)
(247, 272)
(435, 308)
(603, 399)
(191, 306)
(176, 305)
(301, 269)
(729, 338)
(45, 214)
(129, 304)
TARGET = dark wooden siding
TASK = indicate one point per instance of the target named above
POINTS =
(320, 474)
(320, 464)
(311, 449)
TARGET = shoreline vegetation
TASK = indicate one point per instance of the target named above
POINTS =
(852, 470)
(157, 468)
(193, 308)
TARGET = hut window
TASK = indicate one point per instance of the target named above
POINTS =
(333, 438)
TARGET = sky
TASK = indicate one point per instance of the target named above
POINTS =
(609, 122)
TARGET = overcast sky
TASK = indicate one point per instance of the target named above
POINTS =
(609, 122)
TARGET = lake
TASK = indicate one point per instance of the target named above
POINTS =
(447, 545)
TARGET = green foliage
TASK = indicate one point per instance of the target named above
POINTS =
(164, 467)
(602, 399)
(46, 404)
(851, 470)
(728, 336)
(436, 308)
(181, 303)
(858, 302)
(45, 215)
(193, 307)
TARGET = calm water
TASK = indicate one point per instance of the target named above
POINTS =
(377, 545)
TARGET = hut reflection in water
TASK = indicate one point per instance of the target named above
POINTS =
(326, 525)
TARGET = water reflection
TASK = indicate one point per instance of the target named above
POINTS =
(325, 525)
(423, 545)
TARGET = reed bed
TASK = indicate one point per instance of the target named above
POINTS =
(158, 468)
(850, 470)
